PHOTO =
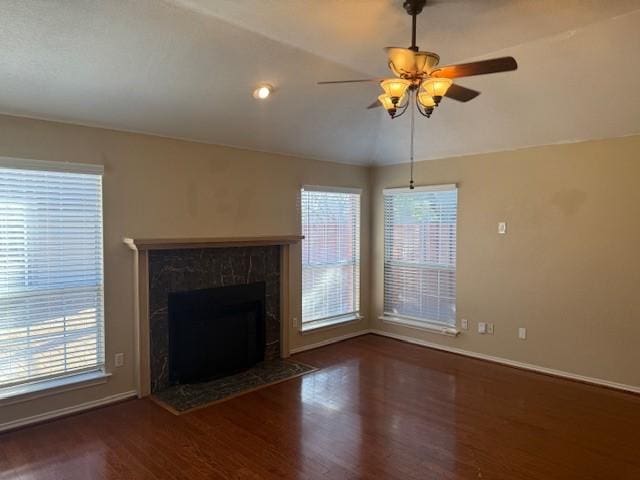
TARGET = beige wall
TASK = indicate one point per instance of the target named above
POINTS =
(156, 187)
(568, 269)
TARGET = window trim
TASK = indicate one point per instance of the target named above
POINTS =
(95, 375)
(332, 189)
(429, 325)
(422, 188)
(344, 318)
(51, 386)
(324, 323)
(51, 166)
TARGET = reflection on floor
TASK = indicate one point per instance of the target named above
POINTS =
(376, 409)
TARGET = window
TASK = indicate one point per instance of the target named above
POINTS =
(330, 256)
(420, 255)
(51, 287)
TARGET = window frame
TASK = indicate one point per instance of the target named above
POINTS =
(431, 325)
(347, 317)
(94, 375)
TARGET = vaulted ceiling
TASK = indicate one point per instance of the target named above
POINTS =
(186, 69)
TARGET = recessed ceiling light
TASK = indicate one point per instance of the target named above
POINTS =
(262, 92)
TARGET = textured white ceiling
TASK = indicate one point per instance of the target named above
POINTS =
(186, 68)
(353, 32)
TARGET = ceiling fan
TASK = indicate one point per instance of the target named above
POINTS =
(418, 79)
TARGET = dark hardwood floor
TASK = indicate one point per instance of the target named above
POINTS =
(377, 409)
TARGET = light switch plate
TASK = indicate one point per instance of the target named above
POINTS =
(482, 327)
(502, 228)
(522, 333)
(464, 324)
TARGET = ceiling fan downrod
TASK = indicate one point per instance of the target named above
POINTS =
(419, 83)
(414, 8)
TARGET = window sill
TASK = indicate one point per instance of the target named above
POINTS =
(329, 323)
(422, 325)
(30, 391)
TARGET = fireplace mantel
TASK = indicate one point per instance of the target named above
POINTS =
(141, 248)
(143, 244)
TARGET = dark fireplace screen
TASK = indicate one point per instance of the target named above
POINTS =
(215, 332)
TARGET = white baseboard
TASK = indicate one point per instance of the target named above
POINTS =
(22, 422)
(511, 363)
(329, 341)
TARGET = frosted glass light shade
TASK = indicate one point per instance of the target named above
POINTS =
(386, 102)
(395, 87)
(437, 87)
(425, 61)
(401, 60)
(426, 100)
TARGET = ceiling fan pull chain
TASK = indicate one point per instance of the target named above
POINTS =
(413, 117)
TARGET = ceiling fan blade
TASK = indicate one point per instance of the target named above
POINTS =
(364, 80)
(461, 94)
(483, 67)
(374, 105)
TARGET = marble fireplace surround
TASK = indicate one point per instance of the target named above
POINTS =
(142, 249)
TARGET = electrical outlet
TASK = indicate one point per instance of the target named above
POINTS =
(119, 359)
(522, 333)
(464, 324)
(490, 328)
(502, 228)
(482, 327)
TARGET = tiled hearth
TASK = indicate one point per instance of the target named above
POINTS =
(183, 398)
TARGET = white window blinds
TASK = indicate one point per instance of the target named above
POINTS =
(420, 254)
(51, 281)
(330, 255)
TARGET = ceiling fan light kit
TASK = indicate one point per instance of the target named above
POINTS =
(395, 88)
(436, 87)
(387, 103)
(420, 83)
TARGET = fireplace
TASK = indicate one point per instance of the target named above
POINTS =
(164, 267)
(215, 332)
(192, 292)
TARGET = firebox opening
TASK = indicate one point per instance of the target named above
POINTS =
(215, 332)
